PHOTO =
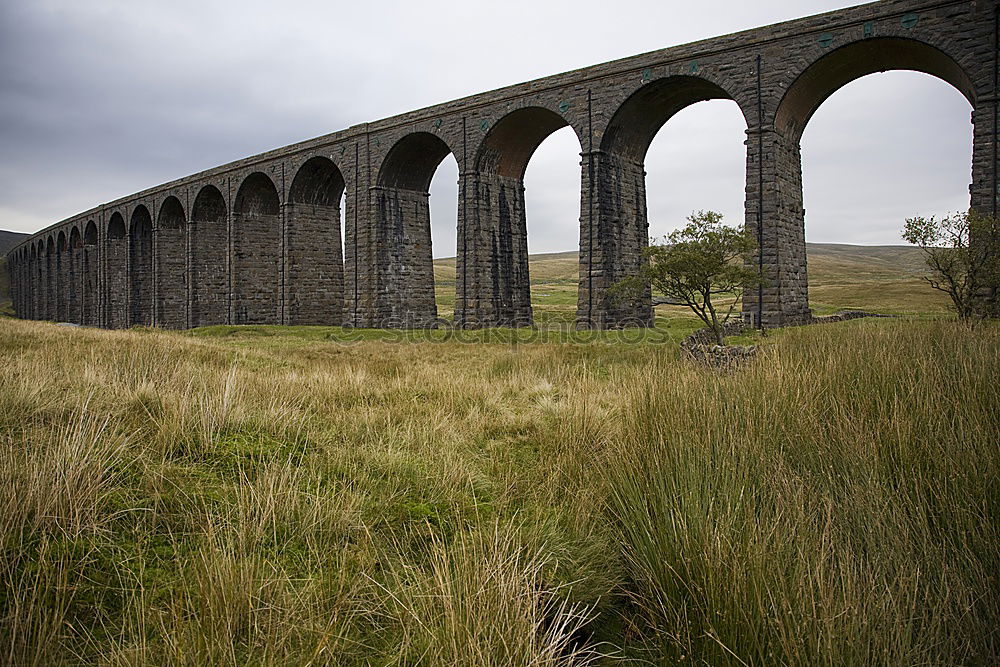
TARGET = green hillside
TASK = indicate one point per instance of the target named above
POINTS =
(9, 239)
(841, 276)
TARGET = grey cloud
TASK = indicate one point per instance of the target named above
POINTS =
(106, 97)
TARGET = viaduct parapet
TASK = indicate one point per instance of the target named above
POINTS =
(258, 241)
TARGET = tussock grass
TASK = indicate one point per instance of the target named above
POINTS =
(277, 497)
(834, 504)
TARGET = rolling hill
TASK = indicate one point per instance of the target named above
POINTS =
(841, 276)
(9, 239)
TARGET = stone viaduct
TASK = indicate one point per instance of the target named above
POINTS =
(258, 241)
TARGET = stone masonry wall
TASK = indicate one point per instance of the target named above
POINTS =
(314, 265)
(287, 267)
(75, 282)
(493, 284)
(613, 233)
(91, 314)
(117, 282)
(171, 276)
(60, 289)
(209, 267)
(257, 269)
(405, 289)
(140, 276)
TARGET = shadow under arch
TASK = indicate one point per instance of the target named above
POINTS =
(508, 146)
(140, 267)
(61, 276)
(314, 275)
(494, 285)
(74, 307)
(34, 283)
(403, 262)
(209, 232)
(48, 269)
(91, 261)
(171, 265)
(257, 262)
(116, 276)
(411, 162)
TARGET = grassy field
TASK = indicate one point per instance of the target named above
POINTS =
(314, 495)
(272, 496)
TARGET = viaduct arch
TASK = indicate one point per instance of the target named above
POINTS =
(258, 241)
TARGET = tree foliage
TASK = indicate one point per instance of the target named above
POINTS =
(963, 254)
(694, 265)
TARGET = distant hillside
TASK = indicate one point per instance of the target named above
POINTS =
(7, 241)
(894, 259)
(881, 278)
(825, 261)
(10, 239)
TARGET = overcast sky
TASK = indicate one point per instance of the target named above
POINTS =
(103, 98)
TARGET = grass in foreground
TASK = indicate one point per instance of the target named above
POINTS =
(211, 499)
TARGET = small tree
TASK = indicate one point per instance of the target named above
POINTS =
(963, 254)
(693, 265)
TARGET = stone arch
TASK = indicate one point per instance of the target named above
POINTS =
(27, 287)
(617, 227)
(74, 310)
(411, 162)
(494, 287)
(14, 280)
(90, 234)
(140, 267)
(116, 226)
(33, 280)
(171, 265)
(854, 60)
(318, 182)
(15, 273)
(208, 231)
(44, 280)
(404, 280)
(776, 213)
(513, 139)
(90, 282)
(257, 267)
(50, 278)
(24, 284)
(116, 265)
(61, 269)
(314, 263)
(636, 121)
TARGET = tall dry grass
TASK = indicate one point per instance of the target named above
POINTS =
(835, 504)
(166, 499)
